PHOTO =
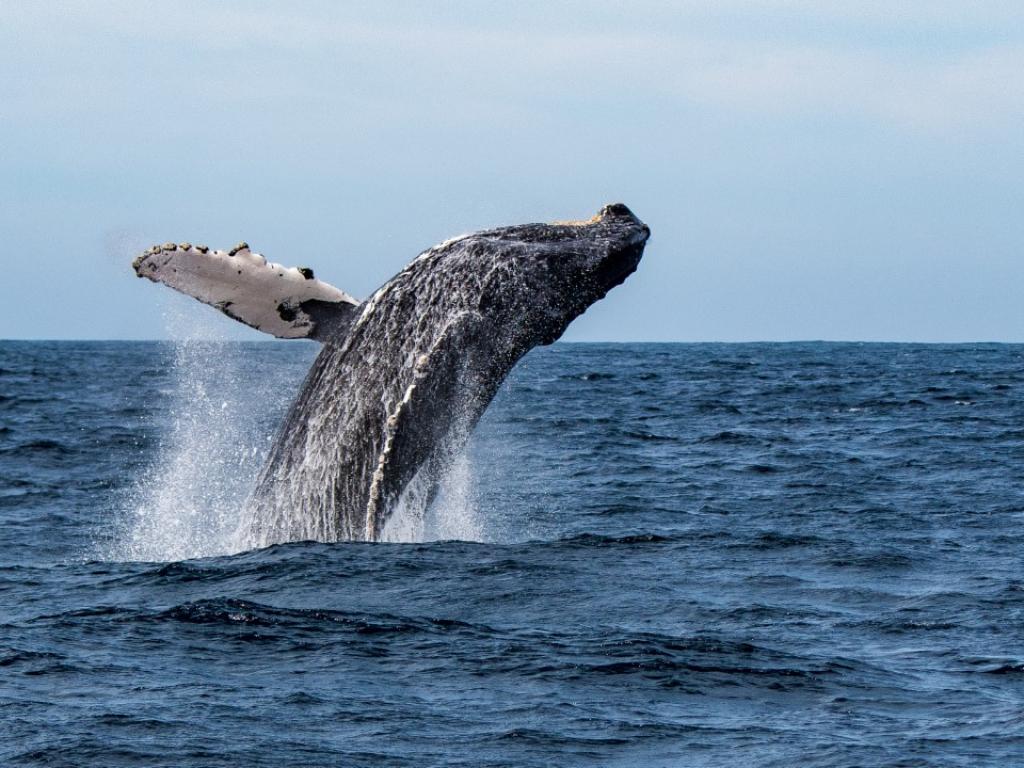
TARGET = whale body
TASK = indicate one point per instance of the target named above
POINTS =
(403, 377)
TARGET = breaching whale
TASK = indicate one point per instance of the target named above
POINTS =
(403, 377)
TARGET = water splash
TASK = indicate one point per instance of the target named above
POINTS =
(188, 503)
(453, 515)
(216, 421)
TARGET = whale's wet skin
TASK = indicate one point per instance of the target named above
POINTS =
(403, 377)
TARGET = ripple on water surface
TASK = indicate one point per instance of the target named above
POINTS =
(671, 554)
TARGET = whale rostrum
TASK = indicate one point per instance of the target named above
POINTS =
(403, 377)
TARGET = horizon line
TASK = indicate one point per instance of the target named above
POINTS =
(559, 341)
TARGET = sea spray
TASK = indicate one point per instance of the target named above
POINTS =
(452, 515)
(212, 442)
(455, 513)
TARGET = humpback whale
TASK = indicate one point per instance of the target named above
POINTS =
(403, 377)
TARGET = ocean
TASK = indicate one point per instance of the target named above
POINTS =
(650, 555)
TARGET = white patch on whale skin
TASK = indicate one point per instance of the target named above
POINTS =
(242, 285)
(369, 305)
(442, 245)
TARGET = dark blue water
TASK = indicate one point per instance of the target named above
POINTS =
(687, 555)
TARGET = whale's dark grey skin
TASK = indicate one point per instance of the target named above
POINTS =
(403, 377)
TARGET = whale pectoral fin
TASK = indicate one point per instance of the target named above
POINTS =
(286, 302)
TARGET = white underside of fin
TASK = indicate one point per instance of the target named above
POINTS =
(242, 285)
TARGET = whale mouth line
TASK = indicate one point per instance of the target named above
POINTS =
(625, 258)
(616, 269)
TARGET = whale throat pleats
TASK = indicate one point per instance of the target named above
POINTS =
(286, 302)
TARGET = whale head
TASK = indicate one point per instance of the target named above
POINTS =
(540, 277)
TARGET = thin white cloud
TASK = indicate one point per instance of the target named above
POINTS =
(313, 54)
(980, 91)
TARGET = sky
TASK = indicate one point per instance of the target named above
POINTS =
(809, 169)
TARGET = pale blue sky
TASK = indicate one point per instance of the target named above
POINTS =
(810, 170)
